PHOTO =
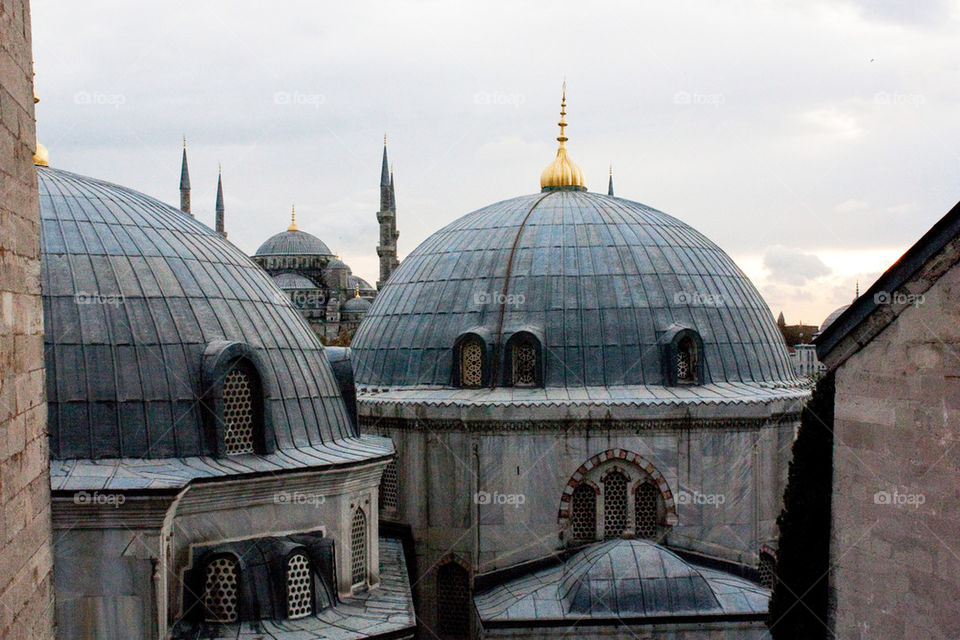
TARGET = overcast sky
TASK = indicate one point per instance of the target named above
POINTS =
(814, 142)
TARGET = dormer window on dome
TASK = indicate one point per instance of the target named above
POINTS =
(471, 361)
(683, 360)
(221, 589)
(523, 357)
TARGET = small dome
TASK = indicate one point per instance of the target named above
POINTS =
(294, 243)
(829, 320)
(356, 304)
(630, 577)
(291, 280)
(364, 286)
(336, 264)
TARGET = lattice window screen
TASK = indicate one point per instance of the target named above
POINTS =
(524, 364)
(768, 571)
(471, 364)
(646, 509)
(220, 592)
(390, 488)
(583, 512)
(237, 412)
(299, 587)
(614, 504)
(358, 547)
(453, 601)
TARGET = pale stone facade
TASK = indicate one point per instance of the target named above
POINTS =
(26, 581)
(896, 526)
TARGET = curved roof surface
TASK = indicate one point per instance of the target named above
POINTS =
(356, 304)
(833, 316)
(353, 280)
(133, 293)
(601, 278)
(293, 243)
(293, 280)
(621, 579)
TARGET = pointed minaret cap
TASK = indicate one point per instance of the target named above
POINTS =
(610, 183)
(562, 173)
(293, 219)
(184, 170)
(385, 166)
(219, 206)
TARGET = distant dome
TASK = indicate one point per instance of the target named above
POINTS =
(625, 577)
(136, 296)
(365, 287)
(829, 320)
(356, 304)
(293, 243)
(291, 280)
(602, 279)
(335, 264)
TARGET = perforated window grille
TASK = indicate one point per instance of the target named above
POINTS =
(237, 412)
(583, 512)
(299, 587)
(471, 364)
(358, 547)
(614, 504)
(220, 590)
(768, 571)
(686, 362)
(390, 488)
(524, 364)
(453, 601)
(646, 507)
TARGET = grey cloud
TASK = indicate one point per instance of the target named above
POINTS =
(792, 266)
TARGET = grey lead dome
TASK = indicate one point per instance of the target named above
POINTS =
(293, 243)
(601, 278)
(134, 291)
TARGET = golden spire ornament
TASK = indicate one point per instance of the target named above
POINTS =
(562, 172)
(41, 157)
(293, 219)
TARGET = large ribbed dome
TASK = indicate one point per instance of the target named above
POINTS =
(135, 296)
(294, 243)
(601, 279)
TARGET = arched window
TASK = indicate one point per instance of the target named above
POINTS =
(239, 397)
(390, 488)
(614, 504)
(767, 570)
(471, 363)
(583, 512)
(647, 510)
(358, 547)
(524, 365)
(686, 361)
(221, 591)
(299, 587)
(453, 601)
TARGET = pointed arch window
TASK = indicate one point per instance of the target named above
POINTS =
(583, 512)
(614, 504)
(358, 547)
(453, 601)
(648, 510)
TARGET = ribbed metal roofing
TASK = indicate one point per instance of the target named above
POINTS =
(294, 243)
(602, 278)
(836, 313)
(133, 293)
(292, 280)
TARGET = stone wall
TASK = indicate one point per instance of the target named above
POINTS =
(26, 590)
(896, 495)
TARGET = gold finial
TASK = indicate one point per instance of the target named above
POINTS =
(41, 157)
(356, 291)
(384, 139)
(293, 219)
(184, 142)
(562, 172)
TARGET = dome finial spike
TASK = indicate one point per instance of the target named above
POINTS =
(610, 184)
(293, 219)
(562, 172)
(356, 291)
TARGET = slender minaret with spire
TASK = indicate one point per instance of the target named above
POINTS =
(387, 218)
(220, 227)
(610, 184)
(184, 181)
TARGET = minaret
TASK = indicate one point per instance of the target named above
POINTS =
(387, 218)
(610, 184)
(220, 227)
(184, 181)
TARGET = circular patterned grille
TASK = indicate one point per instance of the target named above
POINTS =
(453, 601)
(220, 590)
(683, 364)
(614, 504)
(299, 587)
(358, 547)
(583, 512)
(646, 503)
(237, 412)
(768, 571)
(524, 365)
(390, 488)
(471, 365)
